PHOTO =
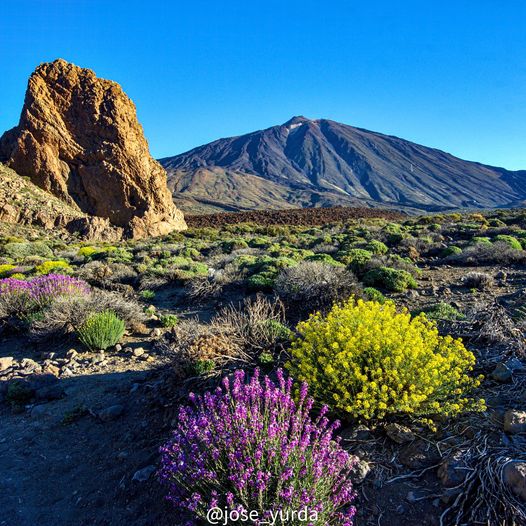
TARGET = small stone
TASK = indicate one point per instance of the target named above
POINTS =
(411, 497)
(118, 347)
(156, 333)
(502, 373)
(514, 475)
(360, 471)
(144, 474)
(138, 352)
(51, 369)
(72, 354)
(128, 350)
(6, 362)
(66, 372)
(145, 358)
(399, 434)
(515, 421)
(111, 413)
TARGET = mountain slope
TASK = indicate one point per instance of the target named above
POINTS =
(321, 163)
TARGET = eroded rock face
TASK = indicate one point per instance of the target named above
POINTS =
(79, 138)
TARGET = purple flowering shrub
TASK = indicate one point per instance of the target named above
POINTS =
(250, 446)
(20, 298)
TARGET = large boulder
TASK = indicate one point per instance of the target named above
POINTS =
(79, 138)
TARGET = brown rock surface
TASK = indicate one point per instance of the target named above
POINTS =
(79, 138)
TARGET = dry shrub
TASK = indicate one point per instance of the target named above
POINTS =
(257, 324)
(312, 286)
(477, 280)
(66, 314)
(191, 342)
(488, 254)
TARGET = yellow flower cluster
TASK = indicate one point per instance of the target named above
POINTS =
(367, 360)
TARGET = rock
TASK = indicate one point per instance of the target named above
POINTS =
(128, 350)
(144, 474)
(156, 333)
(515, 421)
(360, 471)
(6, 362)
(29, 364)
(66, 372)
(399, 434)
(514, 475)
(79, 139)
(138, 352)
(452, 471)
(72, 354)
(118, 347)
(111, 413)
(502, 373)
(51, 369)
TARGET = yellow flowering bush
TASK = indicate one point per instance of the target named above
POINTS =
(367, 360)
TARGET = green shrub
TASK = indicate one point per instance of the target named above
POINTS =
(477, 240)
(324, 258)
(511, 241)
(391, 279)
(367, 360)
(443, 311)
(377, 247)
(451, 251)
(53, 267)
(356, 258)
(373, 294)
(101, 330)
(147, 294)
(169, 320)
(6, 270)
(20, 251)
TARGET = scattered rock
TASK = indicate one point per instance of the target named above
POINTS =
(6, 362)
(118, 347)
(515, 421)
(72, 354)
(399, 434)
(51, 369)
(144, 474)
(361, 470)
(111, 413)
(138, 352)
(502, 373)
(156, 333)
(514, 475)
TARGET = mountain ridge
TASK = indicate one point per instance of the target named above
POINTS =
(320, 162)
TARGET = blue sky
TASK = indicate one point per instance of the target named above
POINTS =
(448, 74)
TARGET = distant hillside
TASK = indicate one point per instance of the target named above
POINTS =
(307, 163)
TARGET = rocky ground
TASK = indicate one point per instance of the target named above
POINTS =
(83, 448)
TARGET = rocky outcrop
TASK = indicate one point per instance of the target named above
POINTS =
(79, 138)
(23, 203)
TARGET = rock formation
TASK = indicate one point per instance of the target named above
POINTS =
(79, 139)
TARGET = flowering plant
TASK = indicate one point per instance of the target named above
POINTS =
(249, 446)
(368, 360)
(20, 297)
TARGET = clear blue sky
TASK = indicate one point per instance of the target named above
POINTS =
(448, 74)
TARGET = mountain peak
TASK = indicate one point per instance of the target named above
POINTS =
(298, 119)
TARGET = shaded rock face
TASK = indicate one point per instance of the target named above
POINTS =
(79, 138)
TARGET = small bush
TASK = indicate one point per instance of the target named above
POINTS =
(147, 294)
(373, 294)
(451, 251)
(510, 241)
(367, 360)
(53, 267)
(312, 286)
(169, 320)
(443, 311)
(391, 279)
(252, 446)
(101, 330)
(477, 280)
(19, 251)
(377, 247)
